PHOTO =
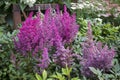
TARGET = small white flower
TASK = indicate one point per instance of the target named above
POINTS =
(98, 20)
(76, 6)
(80, 6)
(85, 4)
(73, 8)
(30, 3)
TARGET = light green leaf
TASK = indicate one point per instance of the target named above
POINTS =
(54, 76)
(64, 71)
(93, 70)
(22, 6)
(58, 74)
(100, 78)
(50, 79)
(44, 75)
(76, 78)
(38, 77)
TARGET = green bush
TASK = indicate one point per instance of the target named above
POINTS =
(11, 65)
(106, 33)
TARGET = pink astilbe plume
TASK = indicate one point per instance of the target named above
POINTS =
(34, 35)
(95, 55)
(37, 33)
(63, 57)
(66, 24)
(27, 36)
(45, 35)
(44, 62)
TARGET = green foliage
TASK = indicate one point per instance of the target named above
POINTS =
(11, 69)
(115, 1)
(77, 43)
(65, 75)
(114, 74)
(102, 32)
(58, 76)
(38, 77)
(97, 72)
(116, 69)
(66, 71)
(6, 15)
(6, 49)
(54, 1)
(1, 31)
(106, 32)
(43, 77)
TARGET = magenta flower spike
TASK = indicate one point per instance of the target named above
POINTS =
(95, 55)
(44, 62)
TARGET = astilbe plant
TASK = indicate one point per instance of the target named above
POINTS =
(96, 55)
(53, 30)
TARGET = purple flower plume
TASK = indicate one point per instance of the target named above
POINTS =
(95, 55)
(66, 24)
(44, 62)
(63, 57)
(52, 30)
(27, 36)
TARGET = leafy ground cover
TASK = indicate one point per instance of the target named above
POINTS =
(59, 45)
